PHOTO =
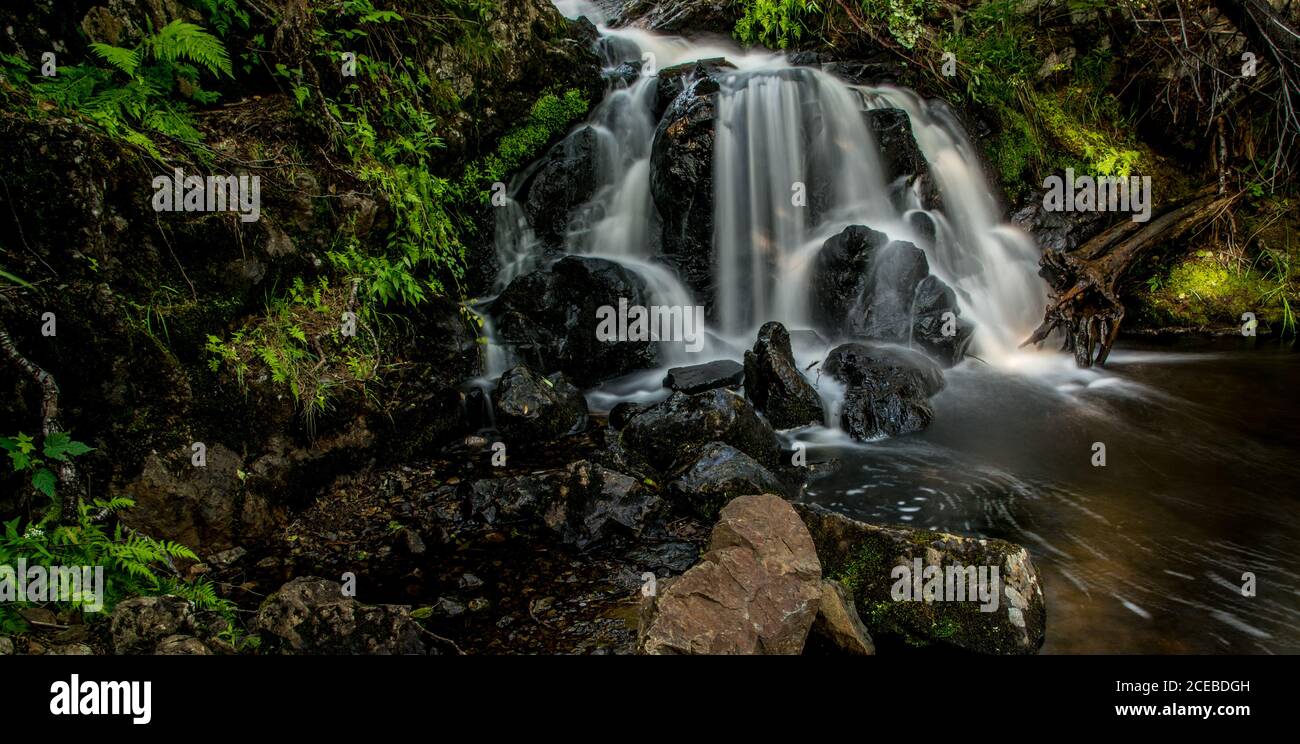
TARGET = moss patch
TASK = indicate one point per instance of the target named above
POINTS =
(1210, 290)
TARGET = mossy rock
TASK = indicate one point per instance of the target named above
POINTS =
(862, 557)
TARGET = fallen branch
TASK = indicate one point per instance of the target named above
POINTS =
(1085, 301)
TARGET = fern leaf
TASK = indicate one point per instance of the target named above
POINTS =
(179, 40)
(126, 60)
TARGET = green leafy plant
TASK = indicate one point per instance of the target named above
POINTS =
(26, 455)
(132, 563)
(136, 90)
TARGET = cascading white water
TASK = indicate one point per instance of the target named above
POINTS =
(992, 265)
(779, 131)
(780, 128)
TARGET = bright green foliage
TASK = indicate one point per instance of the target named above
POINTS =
(224, 15)
(550, 116)
(776, 23)
(301, 343)
(131, 561)
(135, 90)
(1209, 290)
(26, 456)
(903, 18)
(780, 24)
(1041, 131)
(386, 122)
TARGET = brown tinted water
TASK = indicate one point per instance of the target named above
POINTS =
(1143, 555)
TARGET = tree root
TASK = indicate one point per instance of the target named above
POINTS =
(1085, 303)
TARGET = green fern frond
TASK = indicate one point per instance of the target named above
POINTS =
(126, 60)
(179, 40)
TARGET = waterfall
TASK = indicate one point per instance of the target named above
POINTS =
(781, 131)
(991, 264)
(794, 163)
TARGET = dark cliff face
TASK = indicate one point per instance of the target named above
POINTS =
(139, 295)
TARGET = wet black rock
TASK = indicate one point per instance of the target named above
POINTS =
(312, 616)
(683, 17)
(672, 556)
(774, 383)
(896, 270)
(840, 274)
(681, 182)
(551, 317)
(898, 149)
(566, 179)
(865, 285)
(601, 502)
(672, 431)
(944, 337)
(531, 408)
(622, 412)
(887, 389)
(698, 378)
(625, 74)
(1058, 231)
(675, 79)
(718, 475)
(532, 498)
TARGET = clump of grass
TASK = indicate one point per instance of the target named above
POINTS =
(301, 343)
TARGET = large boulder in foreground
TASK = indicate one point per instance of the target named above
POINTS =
(530, 408)
(671, 432)
(550, 316)
(311, 616)
(718, 475)
(1010, 616)
(756, 591)
(887, 389)
(775, 385)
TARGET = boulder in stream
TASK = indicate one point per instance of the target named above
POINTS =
(840, 274)
(887, 389)
(531, 408)
(756, 591)
(774, 383)
(865, 285)
(944, 337)
(986, 599)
